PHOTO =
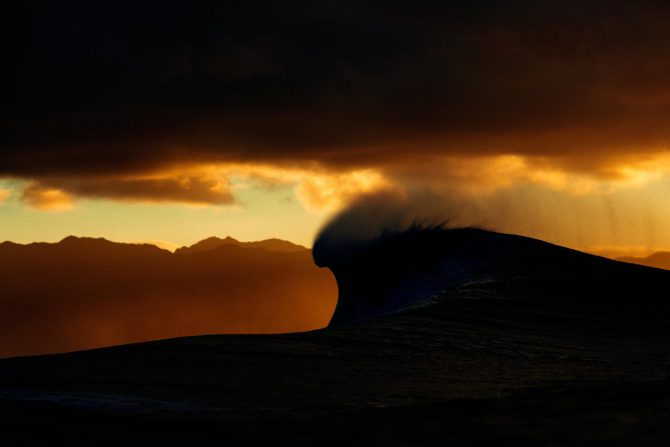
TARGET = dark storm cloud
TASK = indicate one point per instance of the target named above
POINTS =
(117, 88)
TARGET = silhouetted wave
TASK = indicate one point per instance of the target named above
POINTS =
(423, 265)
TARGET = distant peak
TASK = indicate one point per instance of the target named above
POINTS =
(659, 259)
(76, 239)
(214, 243)
(77, 242)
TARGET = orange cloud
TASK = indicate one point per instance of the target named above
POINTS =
(319, 190)
(4, 194)
(58, 193)
(477, 175)
(330, 193)
(45, 198)
(324, 190)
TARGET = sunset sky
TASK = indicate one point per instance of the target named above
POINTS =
(171, 121)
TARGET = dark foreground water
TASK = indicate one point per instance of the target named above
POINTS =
(542, 346)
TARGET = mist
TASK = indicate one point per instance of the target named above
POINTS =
(619, 222)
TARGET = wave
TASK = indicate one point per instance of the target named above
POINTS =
(424, 265)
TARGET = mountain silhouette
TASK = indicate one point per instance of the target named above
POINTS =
(461, 337)
(213, 243)
(659, 260)
(84, 293)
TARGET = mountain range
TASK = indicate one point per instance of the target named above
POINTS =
(659, 260)
(213, 243)
(85, 292)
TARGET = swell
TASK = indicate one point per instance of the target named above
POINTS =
(423, 266)
(399, 270)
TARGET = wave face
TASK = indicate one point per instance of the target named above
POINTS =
(383, 275)
(421, 266)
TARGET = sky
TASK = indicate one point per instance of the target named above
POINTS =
(174, 121)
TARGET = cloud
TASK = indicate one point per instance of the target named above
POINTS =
(45, 198)
(601, 222)
(189, 189)
(571, 90)
(478, 175)
(330, 193)
(319, 190)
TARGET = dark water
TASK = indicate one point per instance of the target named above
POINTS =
(531, 343)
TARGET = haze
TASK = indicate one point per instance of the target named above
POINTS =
(88, 293)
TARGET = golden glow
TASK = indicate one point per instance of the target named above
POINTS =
(4, 194)
(319, 190)
(487, 174)
(330, 193)
(620, 204)
(124, 295)
(621, 251)
(47, 199)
